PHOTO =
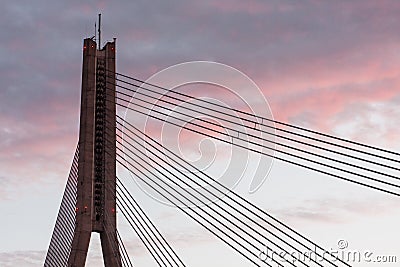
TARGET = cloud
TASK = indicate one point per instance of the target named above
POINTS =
(43, 146)
(330, 210)
(318, 64)
(248, 7)
(22, 258)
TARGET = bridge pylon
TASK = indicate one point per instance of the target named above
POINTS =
(96, 187)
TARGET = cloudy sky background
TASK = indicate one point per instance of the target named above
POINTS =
(328, 66)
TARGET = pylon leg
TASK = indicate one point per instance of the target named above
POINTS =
(109, 246)
(79, 251)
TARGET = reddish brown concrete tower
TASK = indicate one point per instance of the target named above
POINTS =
(96, 201)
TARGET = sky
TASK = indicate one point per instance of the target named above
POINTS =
(331, 66)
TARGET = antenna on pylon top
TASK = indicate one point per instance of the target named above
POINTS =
(95, 32)
(99, 31)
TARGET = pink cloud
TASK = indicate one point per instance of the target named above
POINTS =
(252, 7)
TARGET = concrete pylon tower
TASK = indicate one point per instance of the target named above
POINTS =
(96, 198)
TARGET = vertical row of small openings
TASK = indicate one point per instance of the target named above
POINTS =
(99, 176)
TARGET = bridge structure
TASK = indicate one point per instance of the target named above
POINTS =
(93, 192)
